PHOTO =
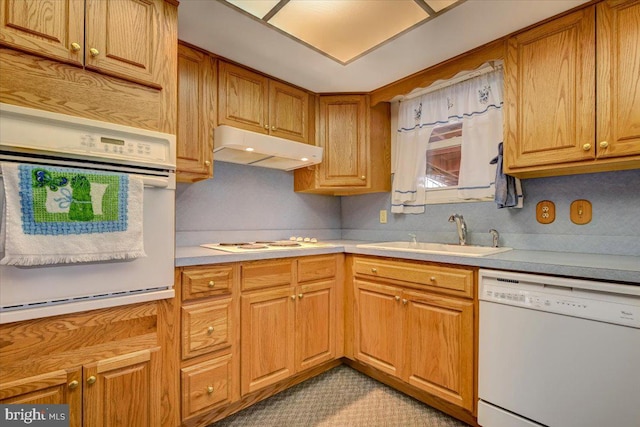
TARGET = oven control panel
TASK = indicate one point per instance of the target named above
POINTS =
(612, 308)
(61, 135)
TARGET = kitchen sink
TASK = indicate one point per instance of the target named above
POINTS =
(436, 248)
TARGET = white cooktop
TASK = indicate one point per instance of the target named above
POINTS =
(280, 245)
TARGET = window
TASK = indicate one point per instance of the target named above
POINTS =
(443, 157)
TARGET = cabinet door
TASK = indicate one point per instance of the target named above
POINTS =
(342, 133)
(315, 324)
(44, 27)
(122, 39)
(54, 388)
(618, 62)
(288, 112)
(378, 326)
(243, 98)
(267, 338)
(550, 93)
(439, 346)
(197, 87)
(123, 391)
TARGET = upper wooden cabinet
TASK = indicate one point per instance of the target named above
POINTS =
(356, 142)
(116, 37)
(197, 84)
(251, 101)
(50, 28)
(618, 79)
(587, 117)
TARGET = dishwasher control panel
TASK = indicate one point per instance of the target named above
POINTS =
(595, 304)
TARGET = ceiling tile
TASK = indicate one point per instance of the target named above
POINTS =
(438, 5)
(344, 30)
(258, 8)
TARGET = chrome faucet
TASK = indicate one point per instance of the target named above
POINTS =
(462, 228)
(496, 236)
(413, 238)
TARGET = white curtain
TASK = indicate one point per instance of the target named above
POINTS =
(476, 102)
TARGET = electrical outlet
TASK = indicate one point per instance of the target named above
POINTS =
(383, 216)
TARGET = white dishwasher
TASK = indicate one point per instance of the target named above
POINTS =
(557, 352)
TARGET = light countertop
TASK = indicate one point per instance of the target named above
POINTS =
(615, 268)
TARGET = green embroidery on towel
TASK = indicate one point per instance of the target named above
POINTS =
(74, 196)
(81, 208)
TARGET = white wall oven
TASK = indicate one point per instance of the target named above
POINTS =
(51, 140)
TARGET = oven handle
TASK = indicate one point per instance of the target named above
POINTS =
(147, 180)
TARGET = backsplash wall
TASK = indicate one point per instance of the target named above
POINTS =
(614, 228)
(246, 203)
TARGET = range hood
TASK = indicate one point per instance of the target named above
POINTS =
(251, 148)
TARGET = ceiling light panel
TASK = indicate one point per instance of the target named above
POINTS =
(258, 8)
(346, 29)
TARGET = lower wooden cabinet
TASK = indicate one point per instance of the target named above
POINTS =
(123, 391)
(287, 329)
(426, 338)
(207, 385)
(208, 315)
(119, 391)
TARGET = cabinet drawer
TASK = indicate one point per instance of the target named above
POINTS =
(453, 281)
(265, 274)
(315, 268)
(207, 385)
(206, 327)
(199, 282)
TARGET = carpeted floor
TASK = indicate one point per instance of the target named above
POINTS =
(340, 397)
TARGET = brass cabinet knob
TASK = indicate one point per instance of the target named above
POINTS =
(300, 296)
(266, 127)
(432, 278)
(207, 163)
(210, 389)
(586, 147)
(210, 330)
(75, 47)
(211, 283)
(374, 270)
(397, 298)
(91, 380)
(293, 297)
(604, 144)
(273, 128)
(94, 52)
(404, 301)
(73, 384)
(363, 177)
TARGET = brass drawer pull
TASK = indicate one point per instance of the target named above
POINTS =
(210, 390)
(91, 380)
(211, 283)
(374, 270)
(73, 384)
(210, 330)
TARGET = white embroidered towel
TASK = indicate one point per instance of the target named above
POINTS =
(55, 215)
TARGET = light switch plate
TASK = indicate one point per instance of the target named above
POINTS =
(383, 216)
(580, 212)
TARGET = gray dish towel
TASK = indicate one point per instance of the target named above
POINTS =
(508, 190)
